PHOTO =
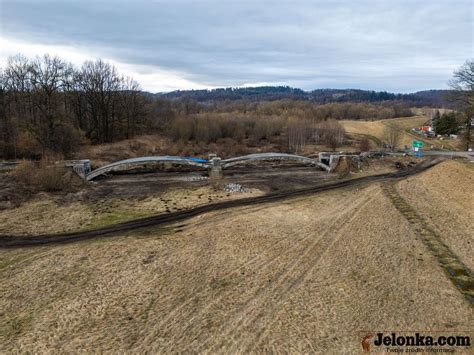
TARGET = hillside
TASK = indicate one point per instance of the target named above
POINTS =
(431, 98)
(444, 196)
(376, 132)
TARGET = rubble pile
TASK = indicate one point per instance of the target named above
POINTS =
(234, 188)
(195, 178)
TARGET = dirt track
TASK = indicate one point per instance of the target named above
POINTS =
(7, 241)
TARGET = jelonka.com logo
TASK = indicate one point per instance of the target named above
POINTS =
(416, 341)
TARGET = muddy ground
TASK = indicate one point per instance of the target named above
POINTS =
(143, 192)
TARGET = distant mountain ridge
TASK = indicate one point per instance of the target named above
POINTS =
(434, 98)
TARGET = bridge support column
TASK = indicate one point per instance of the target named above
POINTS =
(216, 168)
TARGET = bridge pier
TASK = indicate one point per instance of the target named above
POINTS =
(216, 168)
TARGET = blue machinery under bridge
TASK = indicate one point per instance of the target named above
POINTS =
(215, 164)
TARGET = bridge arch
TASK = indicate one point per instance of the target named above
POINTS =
(201, 163)
(272, 156)
(144, 160)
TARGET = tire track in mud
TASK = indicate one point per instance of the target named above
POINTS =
(254, 263)
(13, 241)
(254, 339)
(261, 306)
(458, 273)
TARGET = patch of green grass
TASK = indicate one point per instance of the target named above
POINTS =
(114, 217)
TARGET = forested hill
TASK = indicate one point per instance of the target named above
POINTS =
(435, 98)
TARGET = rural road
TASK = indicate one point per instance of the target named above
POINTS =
(431, 153)
(437, 153)
(12, 241)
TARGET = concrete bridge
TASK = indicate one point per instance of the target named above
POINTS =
(215, 165)
(135, 162)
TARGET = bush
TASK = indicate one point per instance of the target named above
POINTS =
(42, 176)
(330, 133)
(181, 129)
(210, 127)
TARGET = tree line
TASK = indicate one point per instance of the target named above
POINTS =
(48, 104)
(430, 98)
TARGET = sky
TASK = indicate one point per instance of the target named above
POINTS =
(398, 45)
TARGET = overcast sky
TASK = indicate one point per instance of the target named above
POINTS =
(397, 45)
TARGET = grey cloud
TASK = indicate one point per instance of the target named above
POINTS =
(393, 45)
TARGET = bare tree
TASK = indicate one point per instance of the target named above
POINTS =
(48, 78)
(298, 131)
(331, 133)
(6, 135)
(35, 100)
(50, 102)
(392, 134)
(463, 84)
(17, 86)
(132, 105)
(98, 83)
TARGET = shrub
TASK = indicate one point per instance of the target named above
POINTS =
(44, 176)
(24, 172)
(330, 133)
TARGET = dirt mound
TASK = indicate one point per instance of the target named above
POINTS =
(346, 165)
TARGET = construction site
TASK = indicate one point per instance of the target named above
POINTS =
(236, 177)
(153, 260)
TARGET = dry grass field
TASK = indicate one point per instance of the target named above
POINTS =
(444, 196)
(49, 214)
(313, 274)
(377, 128)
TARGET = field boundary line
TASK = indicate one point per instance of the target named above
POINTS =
(458, 273)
